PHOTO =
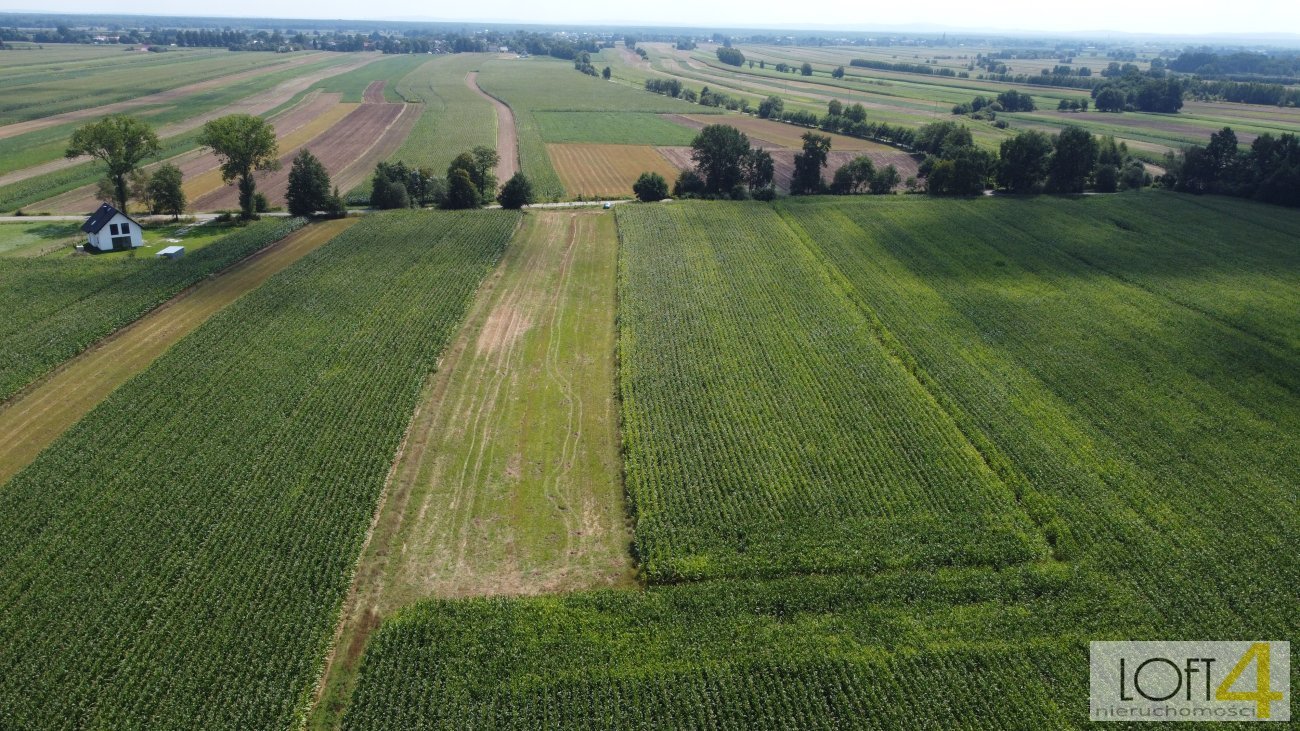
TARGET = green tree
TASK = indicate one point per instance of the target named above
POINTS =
(606, 73)
(838, 73)
(719, 152)
(771, 107)
(689, 184)
(758, 169)
(1024, 162)
(122, 143)
(650, 187)
(244, 144)
(1072, 161)
(387, 194)
(1106, 179)
(966, 172)
(806, 69)
(885, 180)
(309, 185)
(835, 108)
(808, 164)
(516, 193)
(853, 176)
(461, 191)
(164, 191)
(479, 164)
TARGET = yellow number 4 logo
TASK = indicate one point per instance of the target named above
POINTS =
(1263, 695)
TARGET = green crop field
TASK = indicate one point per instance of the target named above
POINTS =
(612, 128)
(220, 498)
(59, 305)
(1103, 400)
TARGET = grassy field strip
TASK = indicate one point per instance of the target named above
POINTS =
(507, 142)
(33, 420)
(210, 180)
(509, 478)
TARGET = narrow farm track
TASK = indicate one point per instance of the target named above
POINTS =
(507, 137)
(508, 479)
(33, 419)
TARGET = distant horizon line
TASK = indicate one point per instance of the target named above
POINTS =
(892, 28)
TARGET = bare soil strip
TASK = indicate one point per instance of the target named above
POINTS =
(508, 480)
(33, 419)
(507, 139)
(374, 93)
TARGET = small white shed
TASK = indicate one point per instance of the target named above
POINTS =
(109, 229)
(172, 252)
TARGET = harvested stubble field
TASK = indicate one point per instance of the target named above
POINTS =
(589, 171)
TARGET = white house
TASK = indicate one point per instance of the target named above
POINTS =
(109, 229)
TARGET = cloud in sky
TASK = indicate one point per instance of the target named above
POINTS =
(1145, 16)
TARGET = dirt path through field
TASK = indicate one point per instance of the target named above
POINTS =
(507, 139)
(508, 481)
(34, 418)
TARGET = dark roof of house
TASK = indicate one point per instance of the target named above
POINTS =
(101, 217)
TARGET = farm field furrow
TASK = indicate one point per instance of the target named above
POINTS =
(58, 306)
(509, 478)
(767, 430)
(220, 566)
(31, 421)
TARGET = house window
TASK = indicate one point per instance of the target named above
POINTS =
(126, 228)
(112, 229)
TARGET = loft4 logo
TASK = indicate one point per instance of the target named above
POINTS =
(1190, 681)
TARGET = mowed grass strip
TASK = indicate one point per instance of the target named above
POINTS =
(509, 480)
(31, 422)
(606, 171)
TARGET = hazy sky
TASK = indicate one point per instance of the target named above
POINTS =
(1142, 16)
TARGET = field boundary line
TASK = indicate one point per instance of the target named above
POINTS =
(1002, 469)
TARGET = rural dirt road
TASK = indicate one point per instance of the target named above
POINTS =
(35, 417)
(507, 141)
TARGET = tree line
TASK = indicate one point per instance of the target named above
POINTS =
(1267, 171)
